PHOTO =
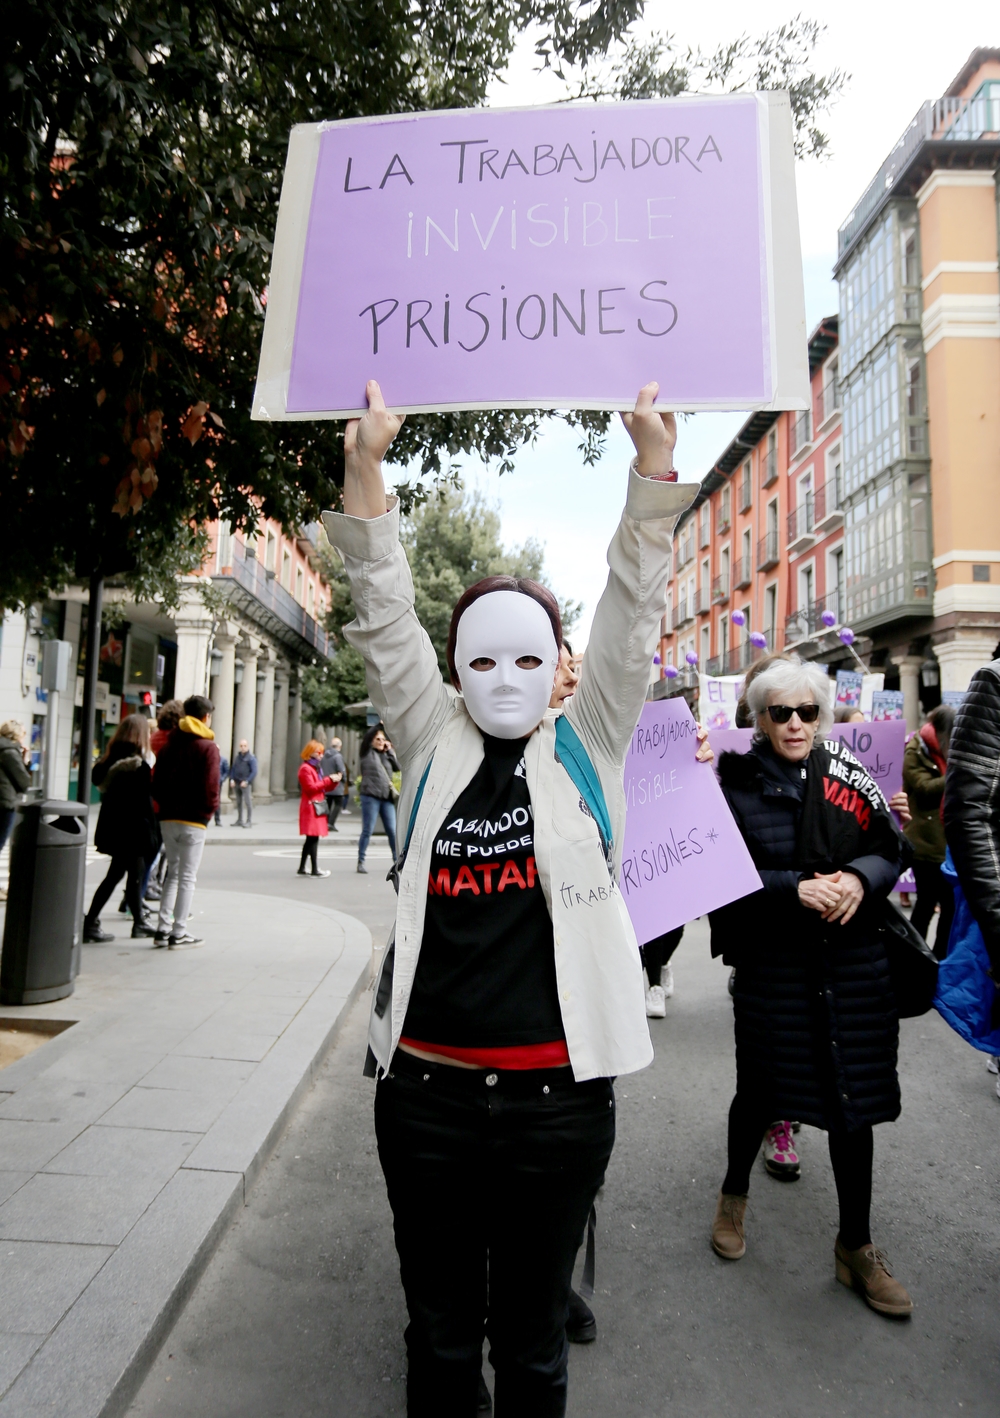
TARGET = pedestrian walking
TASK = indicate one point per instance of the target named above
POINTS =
(816, 1020)
(378, 796)
(333, 766)
(127, 830)
(186, 791)
(242, 775)
(503, 1011)
(313, 787)
(15, 777)
(925, 761)
(656, 955)
(972, 829)
(223, 778)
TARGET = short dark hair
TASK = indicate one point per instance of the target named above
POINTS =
(524, 585)
(568, 648)
(197, 706)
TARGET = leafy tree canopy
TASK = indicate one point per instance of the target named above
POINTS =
(141, 154)
(452, 540)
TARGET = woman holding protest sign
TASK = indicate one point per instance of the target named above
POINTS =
(511, 993)
(815, 1014)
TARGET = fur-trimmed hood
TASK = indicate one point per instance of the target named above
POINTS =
(121, 767)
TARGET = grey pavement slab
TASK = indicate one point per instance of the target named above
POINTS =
(168, 1052)
(39, 1281)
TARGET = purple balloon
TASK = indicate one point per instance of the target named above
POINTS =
(847, 635)
(758, 638)
(656, 659)
(670, 671)
(691, 657)
(738, 618)
(829, 619)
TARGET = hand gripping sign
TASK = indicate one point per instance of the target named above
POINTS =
(539, 258)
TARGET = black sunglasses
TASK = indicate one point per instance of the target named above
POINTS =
(781, 713)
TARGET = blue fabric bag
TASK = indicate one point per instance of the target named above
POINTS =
(965, 990)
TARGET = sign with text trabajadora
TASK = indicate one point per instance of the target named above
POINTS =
(543, 257)
(683, 854)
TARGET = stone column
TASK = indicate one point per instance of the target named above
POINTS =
(909, 683)
(193, 624)
(279, 737)
(295, 741)
(246, 692)
(961, 657)
(264, 730)
(223, 692)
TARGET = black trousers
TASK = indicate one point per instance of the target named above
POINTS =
(310, 846)
(334, 804)
(850, 1156)
(933, 887)
(491, 1177)
(133, 869)
(657, 952)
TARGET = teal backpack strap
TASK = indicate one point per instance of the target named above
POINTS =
(571, 753)
(397, 867)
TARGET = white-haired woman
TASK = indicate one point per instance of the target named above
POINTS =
(816, 1023)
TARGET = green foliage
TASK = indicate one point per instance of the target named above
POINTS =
(328, 687)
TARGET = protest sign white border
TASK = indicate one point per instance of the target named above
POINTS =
(786, 297)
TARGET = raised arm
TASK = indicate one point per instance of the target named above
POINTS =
(401, 667)
(615, 676)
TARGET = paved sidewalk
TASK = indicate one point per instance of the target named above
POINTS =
(129, 1140)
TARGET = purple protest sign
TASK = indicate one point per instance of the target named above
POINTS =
(541, 257)
(683, 853)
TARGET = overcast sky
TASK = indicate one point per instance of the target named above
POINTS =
(897, 57)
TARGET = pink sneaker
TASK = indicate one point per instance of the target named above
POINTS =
(780, 1157)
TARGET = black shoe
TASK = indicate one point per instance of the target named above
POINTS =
(143, 931)
(161, 938)
(362, 869)
(182, 940)
(301, 872)
(581, 1326)
(321, 873)
(93, 934)
(123, 907)
(484, 1403)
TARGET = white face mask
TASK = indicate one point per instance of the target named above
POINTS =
(506, 701)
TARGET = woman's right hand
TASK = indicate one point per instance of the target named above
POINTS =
(366, 442)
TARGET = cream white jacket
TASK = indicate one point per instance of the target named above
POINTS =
(598, 971)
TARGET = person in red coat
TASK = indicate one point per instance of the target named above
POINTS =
(312, 805)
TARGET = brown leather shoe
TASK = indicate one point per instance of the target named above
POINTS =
(867, 1271)
(727, 1228)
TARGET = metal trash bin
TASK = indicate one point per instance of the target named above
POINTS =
(42, 932)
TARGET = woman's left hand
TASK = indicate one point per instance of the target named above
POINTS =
(705, 753)
(900, 803)
(850, 893)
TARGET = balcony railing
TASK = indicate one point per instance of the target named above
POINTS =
(808, 621)
(769, 468)
(740, 657)
(685, 550)
(829, 400)
(276, 607)
(701, 601)
(722, 525)
(800, 525)
(682, 612)
(720, 589)
(768, 551)
(742, 573)
(705, 535)
(746, 494)
(828, 513)
(943, 119)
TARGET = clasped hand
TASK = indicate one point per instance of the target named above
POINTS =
(836, 897)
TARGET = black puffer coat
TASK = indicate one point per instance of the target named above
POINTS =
(14, 776)
(127, 826)
(972, 803)
(816, 1023)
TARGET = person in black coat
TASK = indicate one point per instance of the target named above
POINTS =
(815, 1016)
(127, 829)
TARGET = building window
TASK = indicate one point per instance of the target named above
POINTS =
(769, 467)
(270, 551)
(724, 505)
(311, 598)
(799, 432)
(771, 616)
(223, 547)
(746, 487)
(723, 639)
(806, 592)
(835, 583)
(705, 524)
(706, 647)
(286, 570)
(250, 544)
(830, 397)
(299, 581)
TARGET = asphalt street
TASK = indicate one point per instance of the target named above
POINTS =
(300, 1311)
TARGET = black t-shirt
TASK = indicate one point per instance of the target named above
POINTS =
(486, 975)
